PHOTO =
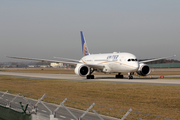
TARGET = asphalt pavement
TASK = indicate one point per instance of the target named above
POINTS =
(98, 78)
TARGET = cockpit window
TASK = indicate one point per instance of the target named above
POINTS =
(131, 60)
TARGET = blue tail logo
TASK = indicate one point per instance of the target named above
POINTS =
(85, 51)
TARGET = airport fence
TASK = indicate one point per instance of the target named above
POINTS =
(10, 114)
(27, 106)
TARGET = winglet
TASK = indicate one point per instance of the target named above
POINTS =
(85, 51)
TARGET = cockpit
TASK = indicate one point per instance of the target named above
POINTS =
(131, 60)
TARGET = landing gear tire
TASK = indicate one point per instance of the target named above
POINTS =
(119, 76)
(90, 77)
(130, 77)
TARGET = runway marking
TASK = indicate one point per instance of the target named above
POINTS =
(62, 116)
(43, 111)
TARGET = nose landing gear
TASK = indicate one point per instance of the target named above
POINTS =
(130, 75)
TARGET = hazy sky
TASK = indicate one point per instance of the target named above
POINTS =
(51, 28)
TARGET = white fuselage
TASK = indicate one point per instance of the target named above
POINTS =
(113, 62)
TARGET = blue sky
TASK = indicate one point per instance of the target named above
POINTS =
(49, 28)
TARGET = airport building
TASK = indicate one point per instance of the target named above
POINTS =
(57, 65)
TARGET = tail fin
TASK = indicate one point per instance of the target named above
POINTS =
(85, 51)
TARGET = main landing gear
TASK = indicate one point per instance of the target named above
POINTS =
(119, 76)
(90, 76)
(130, 75)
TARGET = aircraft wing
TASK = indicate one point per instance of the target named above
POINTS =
(44, 60)
(73, 60)
(156, 59)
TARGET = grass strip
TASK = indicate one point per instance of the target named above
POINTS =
(116, 98)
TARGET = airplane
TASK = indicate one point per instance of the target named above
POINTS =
(106, 63)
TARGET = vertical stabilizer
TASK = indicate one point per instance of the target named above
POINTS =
(85, 51)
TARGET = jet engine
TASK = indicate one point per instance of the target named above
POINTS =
(82, 70)
(143, 70)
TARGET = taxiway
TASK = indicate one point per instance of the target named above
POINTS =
(98, 78)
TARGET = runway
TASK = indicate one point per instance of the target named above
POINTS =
(98, 78)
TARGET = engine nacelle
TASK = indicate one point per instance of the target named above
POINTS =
(82, 70)
(143, 69)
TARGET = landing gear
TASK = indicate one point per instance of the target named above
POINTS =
(130, 75)
(90, 76)
(119, 76)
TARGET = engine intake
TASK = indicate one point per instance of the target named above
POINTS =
(82, 70)
(143, 70)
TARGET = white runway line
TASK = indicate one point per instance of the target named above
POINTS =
(43, 111)
(62, 116)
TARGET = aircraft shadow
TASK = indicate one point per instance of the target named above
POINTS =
(123, 78)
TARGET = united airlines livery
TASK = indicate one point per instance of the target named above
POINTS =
(105, 63)
(84, 46)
